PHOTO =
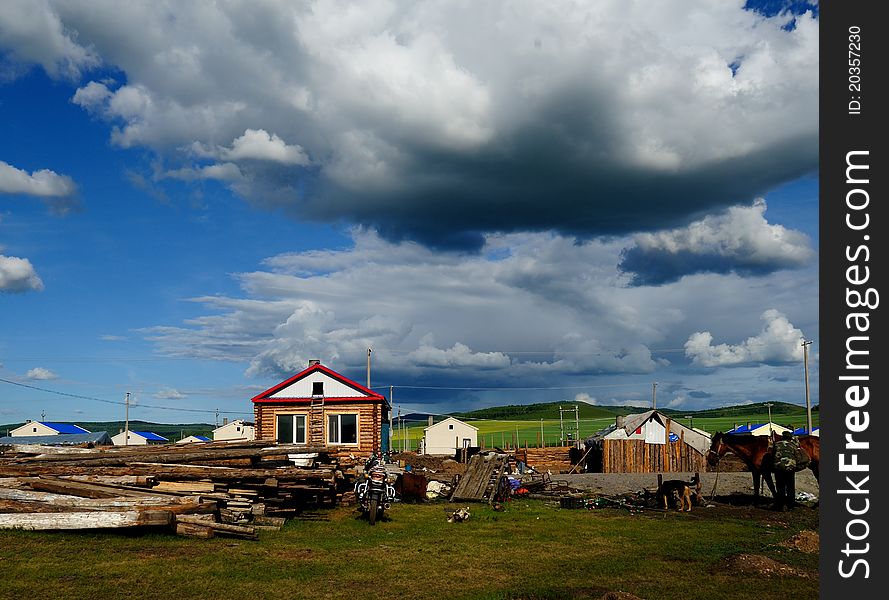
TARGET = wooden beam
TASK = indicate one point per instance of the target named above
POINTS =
(85, 519)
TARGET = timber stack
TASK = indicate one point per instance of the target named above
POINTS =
(199, 490)
(556, 459)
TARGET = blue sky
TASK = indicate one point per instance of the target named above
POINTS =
(507, 206)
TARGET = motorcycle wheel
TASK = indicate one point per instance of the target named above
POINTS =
(372, 511)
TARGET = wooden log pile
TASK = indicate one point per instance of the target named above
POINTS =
(199, 490)
(553, 458)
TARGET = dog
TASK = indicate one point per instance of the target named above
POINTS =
(677, 490)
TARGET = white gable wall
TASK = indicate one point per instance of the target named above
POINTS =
(332, 388)
(236, 430)
(135, 439)
(447, 436)
(32, 429)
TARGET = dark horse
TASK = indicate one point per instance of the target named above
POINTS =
(754, 450)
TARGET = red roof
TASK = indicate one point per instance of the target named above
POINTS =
(264, 397)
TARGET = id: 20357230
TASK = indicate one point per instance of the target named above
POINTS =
(855, 70)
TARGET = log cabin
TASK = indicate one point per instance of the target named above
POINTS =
(319, 407)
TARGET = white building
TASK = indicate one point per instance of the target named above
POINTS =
(194, 438)
(448, 436)
(238, 429)
(760, 429)
(35, 428)
(138, 438)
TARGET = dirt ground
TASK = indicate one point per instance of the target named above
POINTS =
(727, 484)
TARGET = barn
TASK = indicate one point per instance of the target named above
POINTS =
(321, 408)
(648, 442)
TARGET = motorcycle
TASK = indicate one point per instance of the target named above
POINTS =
(374, 493)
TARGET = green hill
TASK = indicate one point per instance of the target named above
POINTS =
(550, 410)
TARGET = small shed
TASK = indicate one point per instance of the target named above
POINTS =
(138, 438)
(648, 442)
(41, 428)
(449, 436)
(193, 439)
(238, 429)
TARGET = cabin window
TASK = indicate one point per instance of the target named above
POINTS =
(450, 426)
(342, 429)
(317, 388)
(291, 429)
(35, 430)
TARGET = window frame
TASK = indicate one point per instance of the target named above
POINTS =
(339, 428)
(295, 416)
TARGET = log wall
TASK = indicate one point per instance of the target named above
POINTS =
(636, 456)
(369, 422)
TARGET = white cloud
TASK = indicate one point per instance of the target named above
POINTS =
(459, 355)
(778, 342)
(739, 239)
(36, 35)
(18, 275)
(260, 145)
(39, 373)
(169, 394)
(43, 183)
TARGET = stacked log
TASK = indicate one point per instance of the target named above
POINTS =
(555, 459)
(201, 491)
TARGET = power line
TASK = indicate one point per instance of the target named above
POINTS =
(117, 402)
(483, 388)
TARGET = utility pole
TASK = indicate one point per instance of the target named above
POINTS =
(126, 427)
(805, 345)
(43, 415)
(217, 418)
(576, 424)
(391, 399)
(368, 368)
(654, 395)
(769, 406)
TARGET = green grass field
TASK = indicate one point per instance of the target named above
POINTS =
(531, 550)
(499, 432)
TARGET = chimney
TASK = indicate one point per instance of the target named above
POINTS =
(225, 420)
(313, 362)
(619, 420)
(431, 422)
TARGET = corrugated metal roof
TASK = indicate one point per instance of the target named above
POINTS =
(100, 438)
(150, 436)
(802, 430)
(66, 428)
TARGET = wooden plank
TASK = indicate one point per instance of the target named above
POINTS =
(84, 519)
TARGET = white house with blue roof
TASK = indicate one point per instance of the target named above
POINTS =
(40, 428)
(759, 429)
(138, 438)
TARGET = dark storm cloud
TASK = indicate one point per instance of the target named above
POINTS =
(438, 125)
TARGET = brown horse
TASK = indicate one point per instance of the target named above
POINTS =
(754, 450)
